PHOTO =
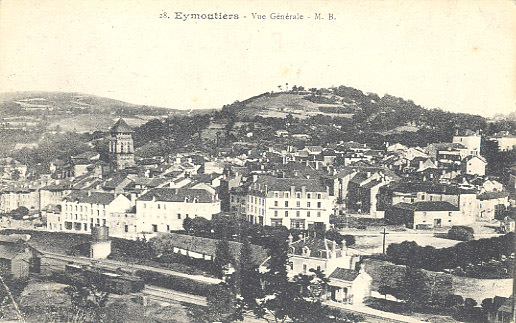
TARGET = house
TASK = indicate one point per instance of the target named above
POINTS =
(292, 202)
(17, 258)
(470, 140)
(318, 253)
(15, 197)
(349, 286)
(490, 203)
(474, 165)
(53, 193)
(337, 262)
(427, 214)
(164, 209)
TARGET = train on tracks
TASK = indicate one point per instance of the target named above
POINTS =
(117, 282)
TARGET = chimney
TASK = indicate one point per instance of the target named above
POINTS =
(89, 193)
(303, 191)
(292, 191)
(290, 239)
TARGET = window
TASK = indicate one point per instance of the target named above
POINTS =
(179, 216)
(298, 214)
(159, 206)
(307, 204)
(286, 203)
(275, 213)
(144, 205)
(318, 214)
(298, 204)
(308, 195)
(298, 195)
(308, 214)
(287, 195)
(286, 214)
(318, 205)
(275, 203)
(276, 194)
(304, 268)
(319, 196)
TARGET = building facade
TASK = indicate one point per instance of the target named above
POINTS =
(291, 202)
(164, 209)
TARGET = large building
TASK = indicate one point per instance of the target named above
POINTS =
(121, 146)
(291, 202)
(82, 210)
(164, 209)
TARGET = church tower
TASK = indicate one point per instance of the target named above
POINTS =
(121, 148)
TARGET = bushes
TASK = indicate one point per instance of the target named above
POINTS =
(175, 282)
(461, 232)
(463, 254)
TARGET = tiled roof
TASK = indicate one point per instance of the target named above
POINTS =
(427, 206)
(319, 247)
(344, 274)
(284, 184)
(121, 126)
(177, 195)
(209, 246)
(492, 195)
(90, 197)
(412, 187)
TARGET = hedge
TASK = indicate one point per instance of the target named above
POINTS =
(178, 283)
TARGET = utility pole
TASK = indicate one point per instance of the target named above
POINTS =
(384, 234)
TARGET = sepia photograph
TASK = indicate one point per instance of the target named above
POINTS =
(258, 161)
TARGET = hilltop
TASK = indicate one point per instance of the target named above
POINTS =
(70, 111)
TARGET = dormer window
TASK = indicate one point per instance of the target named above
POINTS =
(291, 250)
(306, 251)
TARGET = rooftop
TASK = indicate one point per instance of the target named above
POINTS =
(177, 195)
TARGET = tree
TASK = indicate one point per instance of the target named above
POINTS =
(187, 224)
(249, 285)
(87, 298)
(200, 225)
(19, 213)
(222, 257)
(223, 304)
(412, 288)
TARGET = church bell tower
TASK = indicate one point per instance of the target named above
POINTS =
(121, 147)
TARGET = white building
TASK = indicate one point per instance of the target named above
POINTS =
(291, 202)
(470, 140)
(474, 165)
(164, 209)
(82, 210)
(337, 262)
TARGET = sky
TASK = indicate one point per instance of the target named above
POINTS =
(456, 55)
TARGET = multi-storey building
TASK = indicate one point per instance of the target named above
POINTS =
(11, 199)
(291, 202)
(82, 210)
(164, 209)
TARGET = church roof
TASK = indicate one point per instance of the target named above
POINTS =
(121, 126)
